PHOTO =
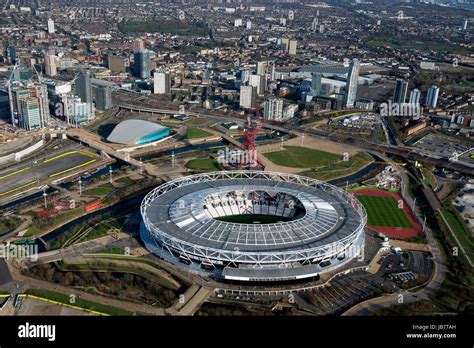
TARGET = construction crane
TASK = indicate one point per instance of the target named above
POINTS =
(10, 99)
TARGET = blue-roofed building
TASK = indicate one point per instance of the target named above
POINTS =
(137, 132)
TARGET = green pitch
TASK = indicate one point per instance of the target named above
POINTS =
(384, 211)
(301, 157)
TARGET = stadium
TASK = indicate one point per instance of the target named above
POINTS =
(253, 226)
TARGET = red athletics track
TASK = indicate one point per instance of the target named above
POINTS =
(393, 232)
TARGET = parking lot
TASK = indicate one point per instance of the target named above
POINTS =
(346, 291)
(441, 145)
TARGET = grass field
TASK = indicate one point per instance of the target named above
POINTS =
(195, 121)
(302, 157)
(340, 168)
(384, 211)
(407, 44)
(209, 164)
(165, 26)
(114, 251)
(99, 190)
(196, 133)
(55, 221)
(461, 233)
(126, 180)
(79, 302)
(429, 177)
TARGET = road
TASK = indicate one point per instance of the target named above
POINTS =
(95, 142)
(5, 276)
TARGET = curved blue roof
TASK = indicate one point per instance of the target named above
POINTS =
(137, 132)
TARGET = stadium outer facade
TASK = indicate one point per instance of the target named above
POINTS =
(323, 226)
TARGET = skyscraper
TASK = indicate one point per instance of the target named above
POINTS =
(161, 83)
(273, 109)
(400, 92)
(432, 96)
(258, 81)
(34, 113)
(30, 114)
(50, 65)
(83, 86)
(314, 24)
(284, 44)
(415, 96)
(351, 84)
(262, 67)
(142, 65)
(273, 71)
(316, 84)
(11, 52)
(51, 29)
(103, 97)
(292, 47)
(115, 63)
(248, 96)
(75, 111)
(138, 44)
(244, 75)
(41, 93)
(464, 24)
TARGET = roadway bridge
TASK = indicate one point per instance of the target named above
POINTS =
(88, 138)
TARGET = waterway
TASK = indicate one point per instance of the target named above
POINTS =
(132, 201)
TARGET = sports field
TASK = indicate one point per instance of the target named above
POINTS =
(384, 215)
(302, 157)
(384, 211)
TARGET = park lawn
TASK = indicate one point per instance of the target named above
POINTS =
(462, 234)
(79, 302)
(9, 224)
(196, 133)
(384, 211)
(429, 177)
(195, 121)
(56, 220)
(340, 168)
(173, 27)
(418, 45)
(99, 190)
(208, 164)
(114, 251)
(302, 157)
(126, 180)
